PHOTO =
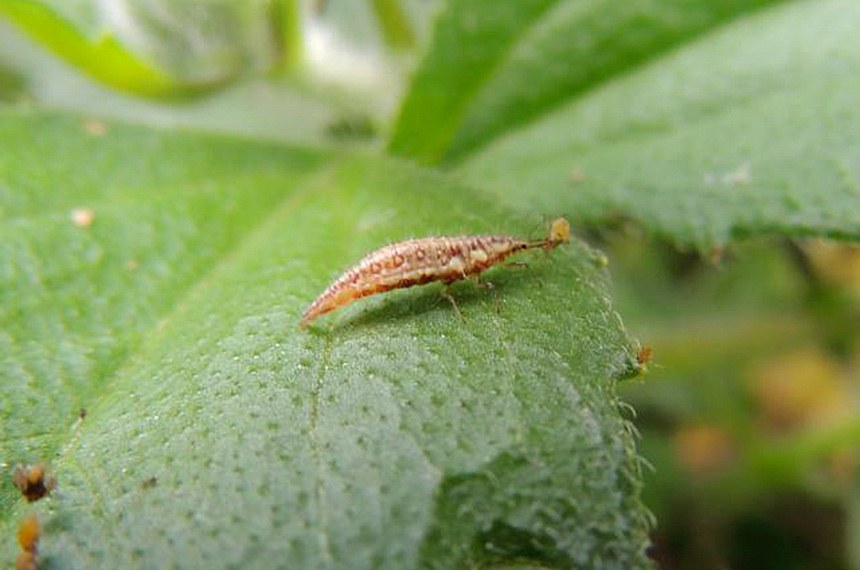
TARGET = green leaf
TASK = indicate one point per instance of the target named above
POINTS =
(157, 48)
(391, 434)
(493, 67)
(102, 57)
(747, 130)
(11, 85)
(753, 130)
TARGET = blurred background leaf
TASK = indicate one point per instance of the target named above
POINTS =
(160, 47)
(492, 69)
(749, 412)
(751, 130)
(309, 72)
(94, 51)
(623, 111)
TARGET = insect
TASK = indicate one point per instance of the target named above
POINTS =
(418, 261)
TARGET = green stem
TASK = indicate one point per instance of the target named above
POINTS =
(287, 16)
(394, 24)
(852, 526)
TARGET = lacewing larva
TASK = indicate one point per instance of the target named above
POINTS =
(418, 261)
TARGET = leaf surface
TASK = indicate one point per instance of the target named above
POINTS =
(702, 121)
(493, 67)
(391, 434)
(752, 130)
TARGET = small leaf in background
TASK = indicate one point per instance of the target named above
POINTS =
(202, 43)
(392, 434)
(101, 56)
(157, 47)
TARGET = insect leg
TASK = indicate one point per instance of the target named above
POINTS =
(446, 292)
(476, 279)
(517, 264)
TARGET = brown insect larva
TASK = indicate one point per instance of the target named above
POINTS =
(418, 261)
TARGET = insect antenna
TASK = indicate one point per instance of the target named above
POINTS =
(538, 228)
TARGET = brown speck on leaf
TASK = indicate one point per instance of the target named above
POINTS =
(95, 127)
(32, 481)
(643, 357)
(83, 217)
(600, 259)
(28, 538)
(716, 256)
(576, 176)
(82, 414)
(149, 483)
(739, 176)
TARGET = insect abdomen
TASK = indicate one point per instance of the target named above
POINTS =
(414, 262)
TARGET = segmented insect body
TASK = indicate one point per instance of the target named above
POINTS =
(418, 261)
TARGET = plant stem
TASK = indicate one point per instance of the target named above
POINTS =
(394, 24)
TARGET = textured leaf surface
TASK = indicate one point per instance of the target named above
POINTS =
(752, 130)
(391, 435)
(495, 66)
(75, 300)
